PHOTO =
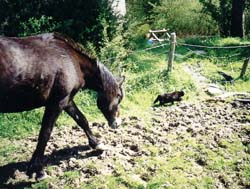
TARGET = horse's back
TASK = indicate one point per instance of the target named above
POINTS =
(30, 68)
(27, 55)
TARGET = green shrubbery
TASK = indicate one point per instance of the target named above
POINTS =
(78, 19)
(38, 25)
(183, 17)
(137, 32)
(113, 48)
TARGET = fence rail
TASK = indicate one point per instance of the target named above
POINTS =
(153, 35)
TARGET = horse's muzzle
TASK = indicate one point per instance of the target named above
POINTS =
(115, 123)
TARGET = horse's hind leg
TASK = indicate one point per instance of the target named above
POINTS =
(49, 118)
(81, 120)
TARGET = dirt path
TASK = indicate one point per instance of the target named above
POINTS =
(201, 82)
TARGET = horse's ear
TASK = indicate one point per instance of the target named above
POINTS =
(121, 80)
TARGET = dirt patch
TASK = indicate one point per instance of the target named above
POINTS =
(201, 134)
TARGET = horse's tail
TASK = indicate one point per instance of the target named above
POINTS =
(157, 99)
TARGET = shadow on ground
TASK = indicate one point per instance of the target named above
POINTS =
(8, 171)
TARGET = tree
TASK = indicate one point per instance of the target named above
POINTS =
(247, 19)
(219, 10)
(78, 19)
(228, 14)
(237, 22)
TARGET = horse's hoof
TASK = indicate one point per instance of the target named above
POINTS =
(41, 176)
(35, 167)
(30, 172)
(101, 147)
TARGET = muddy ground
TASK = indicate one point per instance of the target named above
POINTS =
(187, 139)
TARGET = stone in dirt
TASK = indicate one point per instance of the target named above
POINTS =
(214, 90)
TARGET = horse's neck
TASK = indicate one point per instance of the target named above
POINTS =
(92, 77)
(98, 78)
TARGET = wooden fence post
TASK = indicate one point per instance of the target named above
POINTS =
(171, 51)
(244, 67)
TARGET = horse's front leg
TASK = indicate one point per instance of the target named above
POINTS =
(81, 120)
(49, 118)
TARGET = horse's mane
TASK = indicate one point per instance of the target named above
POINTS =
(76, 46)
(108, 80)
(107, 77)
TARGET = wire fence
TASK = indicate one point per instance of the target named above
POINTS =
(217, 57)
(188, 46)
(214, 47)
(204, 47)
(136, 51)
(198, 50)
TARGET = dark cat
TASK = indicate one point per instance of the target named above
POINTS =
(169, 97)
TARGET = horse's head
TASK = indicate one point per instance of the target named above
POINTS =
(108, 103)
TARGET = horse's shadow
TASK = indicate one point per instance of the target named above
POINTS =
(8, 171)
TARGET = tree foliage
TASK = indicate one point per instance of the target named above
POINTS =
(228, 14)
(140, 9)
(220, 11)
(79, 19)
(182, 16)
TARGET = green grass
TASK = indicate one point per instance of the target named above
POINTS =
(19, 124)
(147, 77)
(214, 60)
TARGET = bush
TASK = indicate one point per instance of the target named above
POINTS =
(137, 33)
(38, 25)
(183, 17)
(113, 49)
(77, 19)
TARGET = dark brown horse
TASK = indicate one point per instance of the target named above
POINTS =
(48, 70)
